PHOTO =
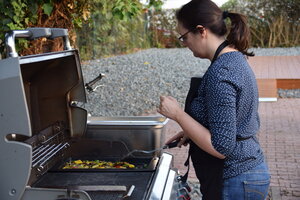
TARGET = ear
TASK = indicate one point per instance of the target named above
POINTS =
(201, 30)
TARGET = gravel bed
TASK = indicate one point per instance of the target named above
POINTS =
(295, 93)
(134, 82)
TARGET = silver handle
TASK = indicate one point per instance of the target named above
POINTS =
(129, 193)
(89, 85)
(34, 33)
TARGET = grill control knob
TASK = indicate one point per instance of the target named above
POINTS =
(184, 194)
(184, 189)
(187, 187)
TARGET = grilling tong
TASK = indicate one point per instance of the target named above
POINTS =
(167, 146)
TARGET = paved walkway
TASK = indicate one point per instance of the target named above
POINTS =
(280, 139)
(275, 67)
(273, 72)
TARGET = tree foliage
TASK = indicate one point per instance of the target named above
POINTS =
(115, 26)
(104, 27)
(273, 23)
(105, 19)
(21, 14)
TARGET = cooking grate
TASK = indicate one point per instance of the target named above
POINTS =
(48, 149)
(49, 146)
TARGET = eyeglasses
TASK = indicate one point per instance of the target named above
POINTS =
(182, 37)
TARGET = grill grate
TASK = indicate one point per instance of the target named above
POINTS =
(48, 149)
(49, 146)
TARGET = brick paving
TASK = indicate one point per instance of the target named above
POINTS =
(280, 139)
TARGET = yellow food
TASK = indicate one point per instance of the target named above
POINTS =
(97, 164)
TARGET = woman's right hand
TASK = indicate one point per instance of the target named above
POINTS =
(179, 136)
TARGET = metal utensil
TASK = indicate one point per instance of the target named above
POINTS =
(92, 188)
(129, 193)
(167, 146)
(89, 86)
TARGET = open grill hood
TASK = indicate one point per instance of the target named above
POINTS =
(36, 92)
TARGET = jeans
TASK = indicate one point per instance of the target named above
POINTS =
(250, 185)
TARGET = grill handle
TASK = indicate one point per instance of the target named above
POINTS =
(32, 34)
(89, 85)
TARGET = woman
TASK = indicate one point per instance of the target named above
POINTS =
(221, 119)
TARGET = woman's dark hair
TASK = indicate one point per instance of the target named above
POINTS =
(209, 15)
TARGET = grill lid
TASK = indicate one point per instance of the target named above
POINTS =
(51, 83)
(36, 92)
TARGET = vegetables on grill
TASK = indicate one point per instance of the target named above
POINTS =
(97, 164)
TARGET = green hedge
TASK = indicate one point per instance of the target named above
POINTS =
(104, 27)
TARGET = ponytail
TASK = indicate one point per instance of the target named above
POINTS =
(239, 34)
(209, 15)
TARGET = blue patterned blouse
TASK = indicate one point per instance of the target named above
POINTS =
(227, 104)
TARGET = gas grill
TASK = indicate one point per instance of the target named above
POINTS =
(43, 126)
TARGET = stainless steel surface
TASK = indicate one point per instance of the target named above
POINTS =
(46, 56)
(89, 85)
(168, 192)
(53, 194)
(14, 116)
(146, 133)
(52, 151)
(156, 121)
(107, 188)
(88, 188)
(130, 191)
(33, 33)
(15, 156)
(161, 177)
(166, 146)
(49, 146)
(50, 84)
(10, 41)
(141, 151)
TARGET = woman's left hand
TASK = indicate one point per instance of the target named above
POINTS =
(169, 107)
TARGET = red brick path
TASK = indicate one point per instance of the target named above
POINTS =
(280, 139)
